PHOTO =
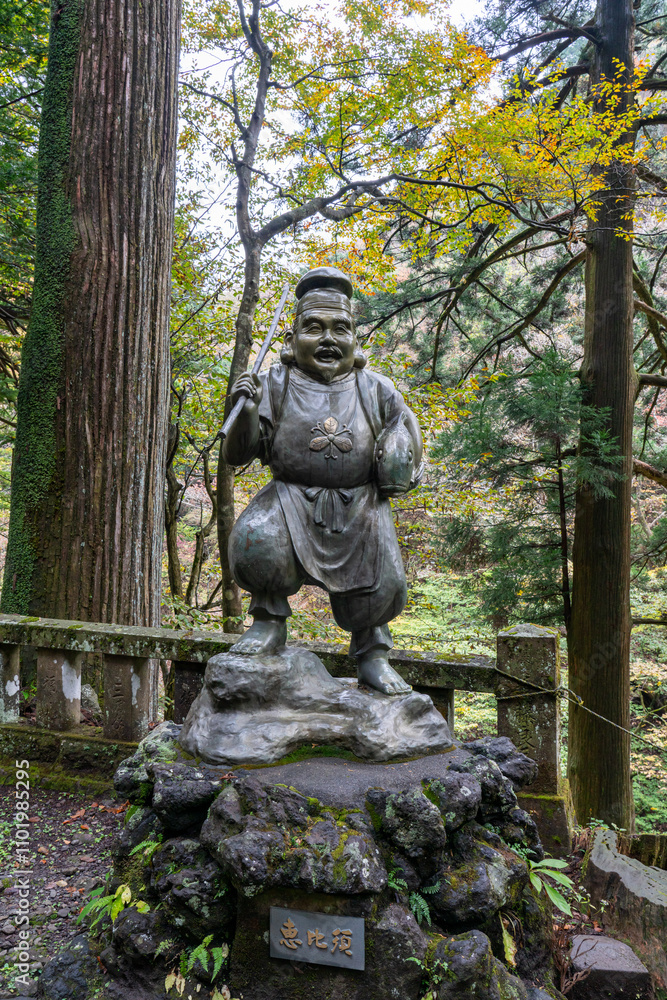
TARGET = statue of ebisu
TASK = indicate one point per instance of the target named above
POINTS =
(339, 440)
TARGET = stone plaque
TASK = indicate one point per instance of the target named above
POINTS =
(319, 938)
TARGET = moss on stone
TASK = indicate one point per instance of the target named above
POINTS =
(55, 778)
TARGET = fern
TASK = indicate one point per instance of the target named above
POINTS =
(395, 883)
(219, 956)
(200, 953)
(148, 846)
(420, 908)
(164, 946)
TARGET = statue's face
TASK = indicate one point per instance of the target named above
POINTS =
(324, 340)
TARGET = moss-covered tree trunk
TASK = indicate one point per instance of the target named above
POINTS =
(87, 506)
(599, 754)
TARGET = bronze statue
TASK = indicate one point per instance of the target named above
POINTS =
(339, 441)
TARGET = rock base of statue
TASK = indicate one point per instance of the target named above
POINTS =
(257, 709)
(408, 866)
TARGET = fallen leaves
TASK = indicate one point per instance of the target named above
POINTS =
(76, 815)
(117, 809)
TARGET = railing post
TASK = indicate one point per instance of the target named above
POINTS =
(58, 689)
(10, 683)
(188, 681)
(531, 719)
(127, 697)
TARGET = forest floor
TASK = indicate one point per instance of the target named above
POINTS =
(71, 838)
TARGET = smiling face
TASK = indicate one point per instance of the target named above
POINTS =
(324, 337)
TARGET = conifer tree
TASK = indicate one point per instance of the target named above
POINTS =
(86, 520)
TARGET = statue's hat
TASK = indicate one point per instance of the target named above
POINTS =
(324, 279)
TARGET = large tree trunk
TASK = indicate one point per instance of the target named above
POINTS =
(87, 512)
(599, 754)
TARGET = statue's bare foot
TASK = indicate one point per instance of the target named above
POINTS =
(263, 636)
(373, 669)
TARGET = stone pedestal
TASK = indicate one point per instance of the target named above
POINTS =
(531, 719)
(416, 850)
(58, 689)
(257, 709)
(393, 936)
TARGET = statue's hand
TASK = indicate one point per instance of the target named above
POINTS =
(250, 387)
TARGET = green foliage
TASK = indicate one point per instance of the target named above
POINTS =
(206, 955)
(650, 803)
(98, 907)
(23, 33)
(543, 873)
(433, 975)
(419, 906)
(147, 847)
(396, 883)
(520, 437)
(444, 613)
(164, 946)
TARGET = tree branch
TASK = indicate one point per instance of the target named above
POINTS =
(654, 318)
(649, 472)
(646, 379)
(650, 177)
(23, 97)
(545, 36)
(651, 311)
(527, 320)
(649, 84)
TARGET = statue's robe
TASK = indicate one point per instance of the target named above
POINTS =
(322, 520)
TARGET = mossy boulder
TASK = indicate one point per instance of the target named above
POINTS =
(411, 823)
(514, 765)
(458, 796)
(141, 824)
(265, 837)
(196, 897)
(182, 794)
(465, 967)
(471, 893)
(132, 779)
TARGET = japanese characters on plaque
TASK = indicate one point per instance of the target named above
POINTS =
(300, 936)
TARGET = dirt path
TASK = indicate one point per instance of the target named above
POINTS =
(70, 840)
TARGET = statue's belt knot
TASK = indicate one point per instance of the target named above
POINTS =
(330, 506)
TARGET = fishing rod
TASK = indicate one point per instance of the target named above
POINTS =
(241, 401)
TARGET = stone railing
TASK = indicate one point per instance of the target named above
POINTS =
(527, 665)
